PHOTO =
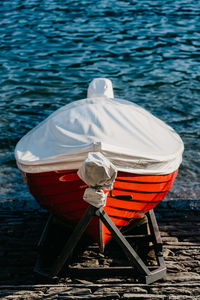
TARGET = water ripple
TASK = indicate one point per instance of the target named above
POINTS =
(50, 50)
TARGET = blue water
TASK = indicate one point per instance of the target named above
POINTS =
(51, 49)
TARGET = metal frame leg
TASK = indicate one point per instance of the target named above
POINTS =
(124, 244)
(135, 260)
(37, 268)
(133, 257)
(72, 241)
(157, 242)
(45, 231)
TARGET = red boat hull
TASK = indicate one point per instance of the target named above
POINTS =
(61, 193)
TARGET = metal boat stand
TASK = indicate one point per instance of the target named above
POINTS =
(147, 274)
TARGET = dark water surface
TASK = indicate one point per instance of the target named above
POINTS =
(51, 49)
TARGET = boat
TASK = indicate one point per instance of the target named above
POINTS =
(143, 152)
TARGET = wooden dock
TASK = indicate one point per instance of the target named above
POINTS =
(21, 230)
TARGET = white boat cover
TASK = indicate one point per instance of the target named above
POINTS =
(130, 137)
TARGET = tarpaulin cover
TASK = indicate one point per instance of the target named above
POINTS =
(130, 137)
(99, 174)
